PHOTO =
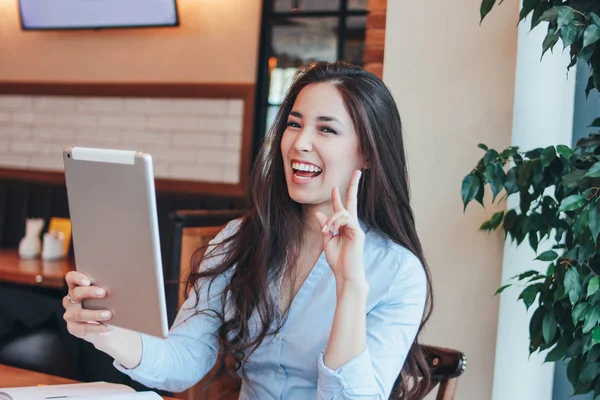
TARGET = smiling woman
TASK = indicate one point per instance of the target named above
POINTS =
(320, 291)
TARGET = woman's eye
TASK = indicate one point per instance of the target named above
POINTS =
(293, 124)
(328, 130)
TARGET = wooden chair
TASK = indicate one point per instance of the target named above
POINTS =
(195, 229)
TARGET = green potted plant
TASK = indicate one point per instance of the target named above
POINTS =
(559, 200)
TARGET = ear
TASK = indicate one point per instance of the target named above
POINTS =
(366, 164)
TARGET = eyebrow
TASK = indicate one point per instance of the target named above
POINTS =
(320, 118)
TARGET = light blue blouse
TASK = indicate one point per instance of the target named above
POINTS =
(290, 364)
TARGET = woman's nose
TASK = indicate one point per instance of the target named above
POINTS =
(303, 141)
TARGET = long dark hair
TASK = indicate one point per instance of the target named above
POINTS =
(268, 238)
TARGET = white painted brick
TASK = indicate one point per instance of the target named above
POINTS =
(174, 155)
(192, 139)
(198, 106)
(234, 125)
(26, 146)
(52, 133)
(15, 131)
(25, 117)
(5, 116)
(76, 120)
(101, 134)
(218, 157)
(146, 106)
(235, 107)
(101, 104)
(175, 123)
(52, 162)
(14, 161)
(128, 121)
(233, 141)
(231, 175)
(53, 103)
(161, 170)
(148, 137)
(196, 172)
(213, 124)
(41, 119)
(15, 102)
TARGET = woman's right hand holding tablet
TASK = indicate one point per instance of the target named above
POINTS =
(82, 323)
(123, 345)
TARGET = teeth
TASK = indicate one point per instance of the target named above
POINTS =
(305, 167)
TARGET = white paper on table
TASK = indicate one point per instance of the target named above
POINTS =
(79, 391)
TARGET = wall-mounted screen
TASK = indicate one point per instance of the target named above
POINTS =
(96, 14)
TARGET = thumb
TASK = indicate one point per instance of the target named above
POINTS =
(321, 218)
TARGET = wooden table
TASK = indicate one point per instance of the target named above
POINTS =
(15, 377)
(36, 272)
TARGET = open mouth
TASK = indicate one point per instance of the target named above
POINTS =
(305, 171)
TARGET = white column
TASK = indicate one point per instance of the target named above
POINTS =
(543, 116)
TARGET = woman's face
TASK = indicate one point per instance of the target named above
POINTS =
(320, 146)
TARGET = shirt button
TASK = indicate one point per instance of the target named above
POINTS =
(277, 335)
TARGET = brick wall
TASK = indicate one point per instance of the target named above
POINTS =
(375, 36)
(190, 139)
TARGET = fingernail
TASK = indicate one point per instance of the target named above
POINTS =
(359, 173)
(100, 292)
(105, 314)
(325, 228)
(86, 282)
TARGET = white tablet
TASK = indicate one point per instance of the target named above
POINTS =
(112, 206)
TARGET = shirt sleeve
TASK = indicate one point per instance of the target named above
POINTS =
(392, 326)
(190, 350)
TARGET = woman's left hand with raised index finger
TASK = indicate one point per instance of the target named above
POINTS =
(343, 238)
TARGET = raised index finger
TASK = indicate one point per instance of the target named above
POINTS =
(352, 193)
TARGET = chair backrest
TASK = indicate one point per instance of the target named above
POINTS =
(446, 365)
(193, 230)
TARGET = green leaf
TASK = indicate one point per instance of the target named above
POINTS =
(559, 351)
(590, 35)
(534, 240)
(578, 312)
(589, 86)
(549, 255)
(490, 156)
(509, 220)
(572, 202)
(582, 222)
(526, 274)
(565, 16)
(550, 15)
(494, 175)
(586, 52)
(572, 284)
(595, 124)
(548, 155)
(501, 288)
(595, 18)
(510, 182)
(485, 226)
(496, 219)
(568, 34)
(591, 319)
(593, 286)
(549, 326)
(589, 372)
(594, 171)
(529, 294)
(550, 40)
(594, 221)
(470, 186)
(596, 335)
(573, 178)
(482, 146)
(486, 6)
